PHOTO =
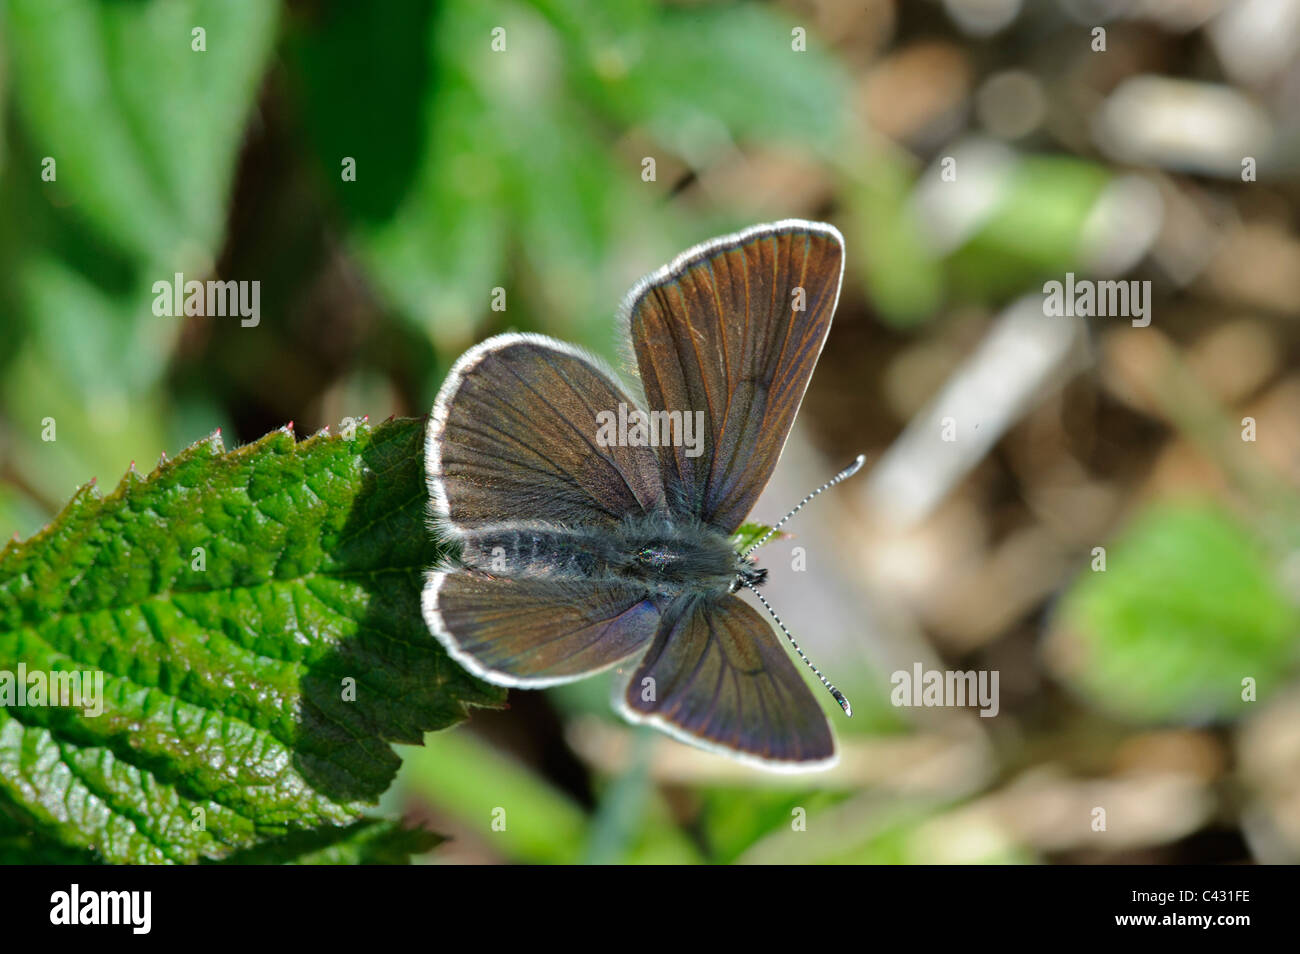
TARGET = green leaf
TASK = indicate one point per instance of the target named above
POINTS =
(736, 819)
(372, 841)
(1188, 606)
(704, 75)
(508, 179)
(23, 845)
(623, 805)
(95, 339)
(359, 106)
(1035, 230)
(502, 164)
(904, 279)
(517, 814)
(149, 171)
(225, 679)
(748, 534)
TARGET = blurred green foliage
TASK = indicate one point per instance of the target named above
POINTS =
(1188, 607)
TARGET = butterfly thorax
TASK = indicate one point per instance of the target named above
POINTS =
(666, 556)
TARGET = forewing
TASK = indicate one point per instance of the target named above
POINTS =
(722, 681)
(514, 436)
(534, 632)
(733, 328)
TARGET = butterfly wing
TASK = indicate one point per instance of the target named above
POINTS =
(719, 330)
(513, 436)
(512, 446)
(722, 682)
(535, 632)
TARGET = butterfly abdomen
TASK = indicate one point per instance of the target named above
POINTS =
(537, 550)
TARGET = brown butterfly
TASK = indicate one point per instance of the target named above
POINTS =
(580, 552)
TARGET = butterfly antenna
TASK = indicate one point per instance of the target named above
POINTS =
(839, 696)
(845, 474)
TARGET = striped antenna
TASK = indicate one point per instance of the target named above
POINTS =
(845, 474)
(839, 696)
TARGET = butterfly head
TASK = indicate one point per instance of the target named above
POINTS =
(747, 574)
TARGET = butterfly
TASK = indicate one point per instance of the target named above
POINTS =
(586, 546)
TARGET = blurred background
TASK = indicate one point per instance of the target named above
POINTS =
(1114, 530)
